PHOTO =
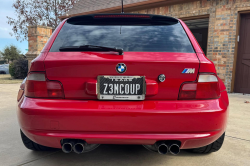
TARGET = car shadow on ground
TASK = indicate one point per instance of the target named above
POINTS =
(110, 155)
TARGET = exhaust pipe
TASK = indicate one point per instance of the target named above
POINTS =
(174, 149)
(67, 147)
(78, 148)
(162, 148)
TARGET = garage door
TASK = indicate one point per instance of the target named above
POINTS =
(242, 77)
(199, 28)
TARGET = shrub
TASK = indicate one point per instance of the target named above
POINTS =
(19, 68)
(11, 69)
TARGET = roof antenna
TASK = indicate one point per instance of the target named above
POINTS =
(122, 6)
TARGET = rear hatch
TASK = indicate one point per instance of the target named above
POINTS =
(153, 45)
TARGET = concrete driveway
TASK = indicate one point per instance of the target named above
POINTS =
(235, 151)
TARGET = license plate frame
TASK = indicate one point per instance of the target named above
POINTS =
(118, 96)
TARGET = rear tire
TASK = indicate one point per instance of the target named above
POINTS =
(213, 147)
(32, 145)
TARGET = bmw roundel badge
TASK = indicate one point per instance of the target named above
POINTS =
(121, 68)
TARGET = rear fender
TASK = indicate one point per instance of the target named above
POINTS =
(206, 66)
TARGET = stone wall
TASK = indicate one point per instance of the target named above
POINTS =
(222, 29)
(37, 38)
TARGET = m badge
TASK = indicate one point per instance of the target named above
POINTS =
(188, 71)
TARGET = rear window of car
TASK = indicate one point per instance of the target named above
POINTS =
(131, 37)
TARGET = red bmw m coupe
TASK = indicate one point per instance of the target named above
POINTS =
(122, 79)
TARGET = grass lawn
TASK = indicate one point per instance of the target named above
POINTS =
(6, 79)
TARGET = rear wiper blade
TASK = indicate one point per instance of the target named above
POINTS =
(92, 48)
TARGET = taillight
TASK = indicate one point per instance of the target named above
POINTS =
(207, 87)
(37, 86)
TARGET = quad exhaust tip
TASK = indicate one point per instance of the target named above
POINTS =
(174, 149)
(163, 149)
(78, 148)
(67, 147)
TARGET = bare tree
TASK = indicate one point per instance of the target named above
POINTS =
(37, 12)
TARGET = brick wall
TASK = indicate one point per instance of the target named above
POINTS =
(222, 29)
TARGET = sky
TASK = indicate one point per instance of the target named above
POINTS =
(5, 38)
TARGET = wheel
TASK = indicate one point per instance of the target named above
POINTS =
(213, 147)
(32, 145)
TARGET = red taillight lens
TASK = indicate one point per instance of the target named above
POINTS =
(188, 91)
(37, 86)
(208, 90)
(207, 87)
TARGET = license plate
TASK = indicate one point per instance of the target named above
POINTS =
(121, 87)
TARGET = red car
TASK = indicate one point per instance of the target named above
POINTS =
(123, 79)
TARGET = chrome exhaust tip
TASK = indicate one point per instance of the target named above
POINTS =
(162, 148)
(67, 147)
(174, 149)
(78, 148)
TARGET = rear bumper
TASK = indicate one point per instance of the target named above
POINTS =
(194, 123)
